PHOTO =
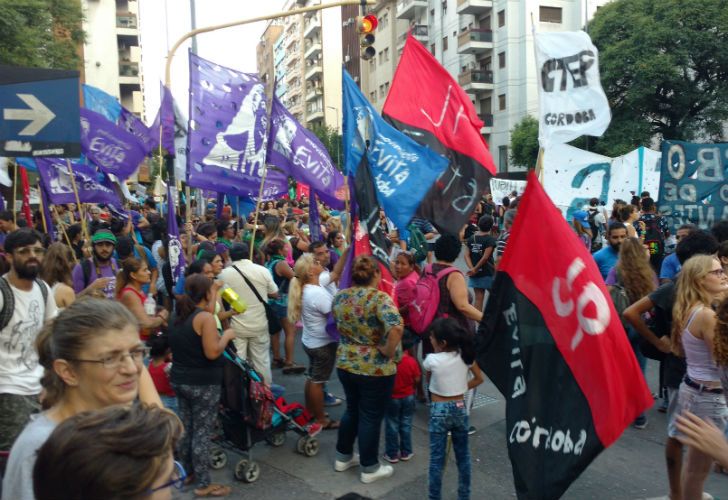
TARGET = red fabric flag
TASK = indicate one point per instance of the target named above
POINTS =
(553, 344)
(26, 197)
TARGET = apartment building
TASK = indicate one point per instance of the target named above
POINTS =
(266, 56)
(112, 52)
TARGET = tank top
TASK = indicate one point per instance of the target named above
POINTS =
(143, 332)
(446, 307)
(697, 354)
(191, 366)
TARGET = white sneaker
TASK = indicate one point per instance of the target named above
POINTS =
(340, 466)
(382, 472)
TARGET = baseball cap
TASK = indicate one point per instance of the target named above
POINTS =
(103, 235)
(583, 217)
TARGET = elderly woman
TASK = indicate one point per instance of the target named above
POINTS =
(93, 358)
(371, 330)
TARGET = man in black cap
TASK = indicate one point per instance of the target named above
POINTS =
(98, 274)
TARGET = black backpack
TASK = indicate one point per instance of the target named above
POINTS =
(654, 239)
(6, 314)
(596, 241)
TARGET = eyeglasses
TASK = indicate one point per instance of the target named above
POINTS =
(114, 361)
(25, 252)
(177, 478)
(717, 272)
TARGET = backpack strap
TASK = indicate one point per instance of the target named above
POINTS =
(446, 271)
(43, 290)
(8, 308)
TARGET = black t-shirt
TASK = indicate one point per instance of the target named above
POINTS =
(478, 244)
(663, 298)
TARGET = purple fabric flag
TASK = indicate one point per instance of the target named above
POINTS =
(135, 126)
(300, 154)
(219, 205)
(314, 221)
(56, 180)
(50, 228)
(174, 249)
(228, 132)
(113, 149)
(165, 120)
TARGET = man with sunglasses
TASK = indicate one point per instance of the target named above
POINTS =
(25, 305)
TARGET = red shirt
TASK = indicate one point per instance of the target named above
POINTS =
(161, 379)
(407, 371)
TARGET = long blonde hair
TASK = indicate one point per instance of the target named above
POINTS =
(634, 270)
(689, 292)
(295, 288)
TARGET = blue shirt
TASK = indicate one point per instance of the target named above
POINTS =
(606, 258)
(670, 267)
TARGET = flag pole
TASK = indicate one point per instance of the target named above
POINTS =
(257, 208)
(15, 190)
(65, 234)
(42, 211)
(78, 201)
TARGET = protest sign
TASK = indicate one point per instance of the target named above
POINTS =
(500, 188)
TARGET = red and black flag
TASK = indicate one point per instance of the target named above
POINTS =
(429, 106)
(553, 344)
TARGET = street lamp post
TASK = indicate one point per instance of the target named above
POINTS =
(338, 135)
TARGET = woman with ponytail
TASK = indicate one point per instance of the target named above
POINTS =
(311, 303)
(196, 376)
(130, 280)
(92, 358)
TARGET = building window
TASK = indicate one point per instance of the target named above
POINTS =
(381, 56)
(444, 44)
(503, 158)
(444, 5)
(432, 12)
(549, 14)
(432, 49)
(501, 18)
(501, 60)
(502, 102)
(386, 54)
(386, 87)
(373, 96)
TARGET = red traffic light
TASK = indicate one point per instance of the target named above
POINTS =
(368, 23)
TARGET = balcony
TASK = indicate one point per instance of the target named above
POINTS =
(314, 93)
(312, 27)
(127, 68)
(419, 32)
(475, 41)
(127, 20)
(313, 49)
(476, 80)
(406, 8)
(475, 7)
(314, 113)
(487, 123)
(314, 70)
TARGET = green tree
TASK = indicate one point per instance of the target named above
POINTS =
(664, 68)
(524, 142)
(331, 140)
(41, 33)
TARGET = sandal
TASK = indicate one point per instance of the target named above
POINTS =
(278, 363)
(213, 490)
(331, 425)
(293, 368)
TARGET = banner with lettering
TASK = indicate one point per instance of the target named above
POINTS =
(554, 346)
(500, 188)
(571, 176)
(572, 101)
(113, 149)
(57, 183)
(694, 186)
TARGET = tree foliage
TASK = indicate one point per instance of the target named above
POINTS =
(664, 68)
(41, 33)
(331, 140)
(524, 142)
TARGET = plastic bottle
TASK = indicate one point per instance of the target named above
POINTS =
(231, 297)
(150, 306)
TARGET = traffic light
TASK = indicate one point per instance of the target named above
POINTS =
(366, 26)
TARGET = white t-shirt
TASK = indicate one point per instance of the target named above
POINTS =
(20, 372)
(449, 373)
(18, 481)
(252, 323)
(325, 281)
(316, 305)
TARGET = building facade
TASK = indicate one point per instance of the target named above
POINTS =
(265, 56)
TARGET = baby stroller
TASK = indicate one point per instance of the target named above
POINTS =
(249, 414)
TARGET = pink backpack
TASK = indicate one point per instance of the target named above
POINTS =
(426, 298)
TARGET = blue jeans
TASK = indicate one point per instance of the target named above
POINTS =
(449, 416)
(398, 426)
(366, 403)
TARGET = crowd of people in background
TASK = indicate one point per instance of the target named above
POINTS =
(97, 337)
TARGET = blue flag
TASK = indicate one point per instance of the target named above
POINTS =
(402, 170)
(102, 103)
(174, 249)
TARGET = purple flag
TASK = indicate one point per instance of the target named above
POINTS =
(174, 250)
(166, 119)
(299, 153)
(228, 132)
(50, 228)
(56, 181)
(109, 146)
(314, 221)
(135, 126)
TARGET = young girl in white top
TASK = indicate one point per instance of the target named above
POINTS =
(450, 366)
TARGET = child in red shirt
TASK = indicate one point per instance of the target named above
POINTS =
(398, 420)
(159, 368)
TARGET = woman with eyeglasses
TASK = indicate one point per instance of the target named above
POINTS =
(121, 452)
(701, 283)
(92, 358)
(196, 377)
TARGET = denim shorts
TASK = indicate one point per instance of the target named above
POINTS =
(280, 310)
(482, 282)
(706, 405)
(321, 362)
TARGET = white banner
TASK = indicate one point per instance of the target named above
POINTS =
(572, 101)
(571, 177)
(500, 188)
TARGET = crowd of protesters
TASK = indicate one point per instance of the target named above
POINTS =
(95, 320)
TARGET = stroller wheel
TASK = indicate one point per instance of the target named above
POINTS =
(218, 458)
(276, 439)
(308, 446)
(247, 472)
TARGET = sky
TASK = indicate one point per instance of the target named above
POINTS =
(163, 22)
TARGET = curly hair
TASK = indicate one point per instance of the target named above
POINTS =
(634, 270)
(720, 340)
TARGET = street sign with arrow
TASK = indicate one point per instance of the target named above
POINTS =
(39, 112)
